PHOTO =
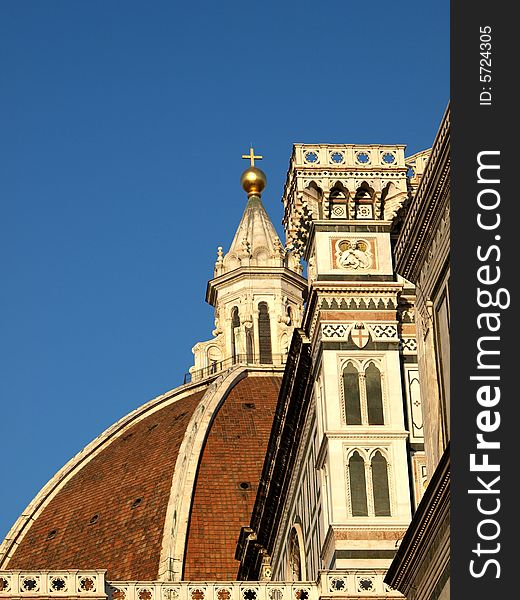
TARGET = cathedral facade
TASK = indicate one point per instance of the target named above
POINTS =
(292, 462)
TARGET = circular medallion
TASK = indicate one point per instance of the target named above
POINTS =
(388, 158)
(366, 585)
(311, 157)
(337, 157)
(362, 157)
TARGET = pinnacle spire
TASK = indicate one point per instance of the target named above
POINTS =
(256, 235)
(256, 242)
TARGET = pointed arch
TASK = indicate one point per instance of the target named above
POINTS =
(315, 190)
(235, 323)
(315, 199)
(296, 557)
(351, 395)
(380, 485)
(364, 191)
(374, 392)
(338, 201)
(264, 334)
(384, 193)
(339, 192)
(358, 485)
(364, 202)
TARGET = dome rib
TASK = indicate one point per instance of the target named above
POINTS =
(127, 501)
(183, 481)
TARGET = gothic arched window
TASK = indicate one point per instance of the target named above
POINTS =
(364, 202)
(380, 485)
(351, 394)
(295, 557)
(264, 334)
(358, 485)
(374, 395)
(369, 481)
(235, 322)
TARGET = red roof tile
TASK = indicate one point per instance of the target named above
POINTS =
(233, 455)
(110, 514)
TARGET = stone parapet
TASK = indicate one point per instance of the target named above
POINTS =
(53, 584)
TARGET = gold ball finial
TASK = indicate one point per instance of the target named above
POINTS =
(253, 181)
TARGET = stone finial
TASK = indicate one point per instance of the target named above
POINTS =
(219, 263)
(278, 246)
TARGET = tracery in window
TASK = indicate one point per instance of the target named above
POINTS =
(362, 394)
(368, 478)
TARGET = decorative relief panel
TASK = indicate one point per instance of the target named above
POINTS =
(384, 332)
(360, 332)
(353, 254)
(413, 398)
(371, 302)
(339, 211)
(335, 331)
(408, 345)
(365, 583)
(258, 590)
(360, 335)
(356, 583)
(5, 584)
(45, 584)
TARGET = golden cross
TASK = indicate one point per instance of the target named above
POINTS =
(252, 156)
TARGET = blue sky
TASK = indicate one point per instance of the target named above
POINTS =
(122, 129)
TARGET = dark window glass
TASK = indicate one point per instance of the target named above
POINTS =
(380, 485)
(351, 393)
(374, 395)
(358, 486)
(264, 334)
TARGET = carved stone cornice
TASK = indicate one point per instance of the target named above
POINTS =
(288, 425)
(252, 272)
(426, 208)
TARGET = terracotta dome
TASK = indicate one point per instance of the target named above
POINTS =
(163, 493)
